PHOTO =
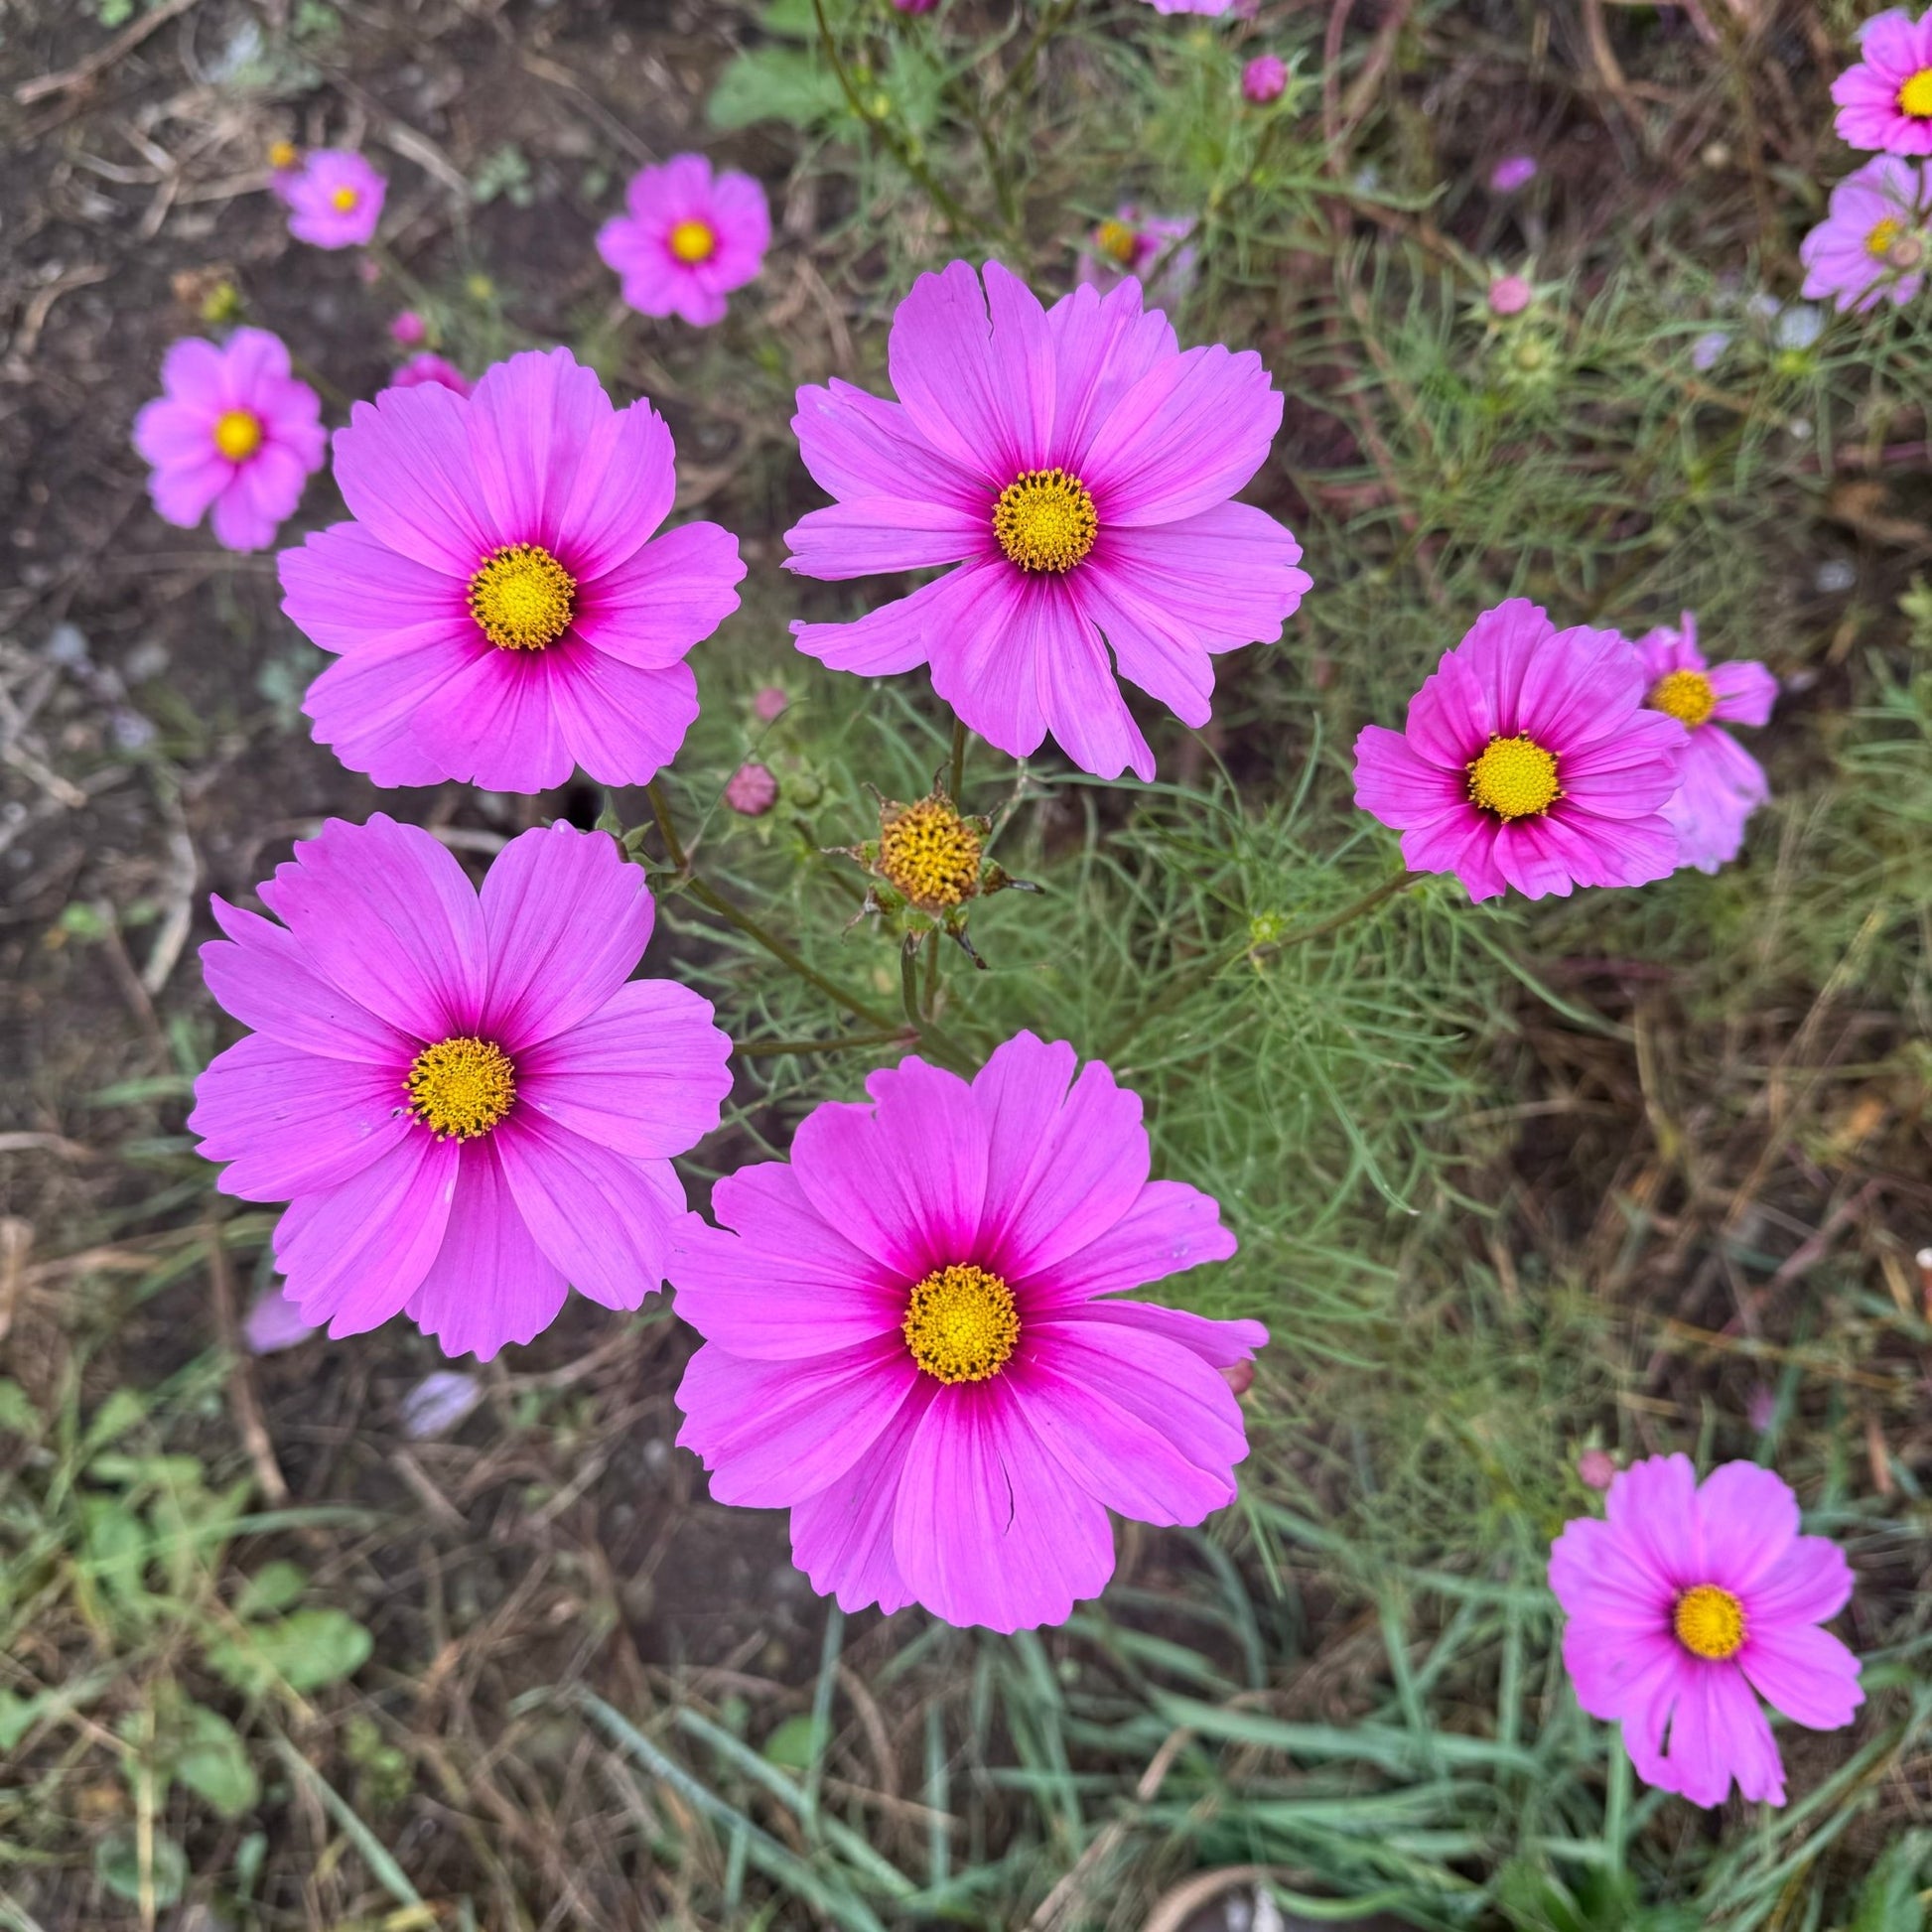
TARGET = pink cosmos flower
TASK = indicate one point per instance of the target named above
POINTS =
(334, 198)
(1153, 248)
(429, 367)
(463, 1097)
(1077, 468)
(688, 240)
(407, 329)
(1872, 242)
(1191, 6)
(1722, 783)
(1512, 171)
(914, 1341)
(232, 428)
(1685, 1605)
(1528, 759)
(1264, 79)
(1885, 102)
(499, 603)
(1510, 295)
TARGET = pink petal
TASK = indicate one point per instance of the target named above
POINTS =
(1228, 576)
(644, 1075)
(987, 1527)
(364, 707)
(607, 1222)
(905, 1178)
(859, 445)
(1079, 697)
(947, 373)
(1063, 1166)
(352, 1257)
(1022, 365)
(1811, 1581)
(620, 724)
(261, 975)
(1102, 347)
(1169, 1228)
(1581, 686)
(406, 469)
(489, 1282)
(1745, 693)
(1398, 787)
(291, 1123)
(1805, 1673)
(1719, 1731)
(1602, 1579)
(566, 918)
(1491, 663)
(670, 594)
(842, 1538)
(532, 421)
(493, 721)
(384, 911)
(867, 534)
(195, 373)
(896, 636)
(774, 1432)
(1748, 1519)
(240, 522)
(342, 587)
(1220, 1344)
(619, 492)
(1652, 1507)
(274, 1323)
(1620, 1675)
(789, 1284)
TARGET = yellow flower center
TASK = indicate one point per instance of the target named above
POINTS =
(1515, 777)
(522, 598)
(1117, 240)
(1710, 1622)
(693, 241)
(237, 434)
(461, 1087)
(961, 1324)
(1686, 695)
(345, 197)
(1045, 520)
(1915, 97)
(930, 854)
(282, 156)
(1879, 242)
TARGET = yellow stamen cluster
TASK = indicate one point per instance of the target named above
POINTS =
(282, 156)
(461, 1087)
(929, 855)
(522, 598)
(693, 241)
(1879, 242)
(345, 197)
(961, 1324)
(1045, 520)
(1118, 240)
(1710, 1622)
(1915, 96)
(1686, 696)
(1514, 777)
(237, 434)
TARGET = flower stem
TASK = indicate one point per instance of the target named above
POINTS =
(959, 736)
(1616, 1806)
(1050, 23)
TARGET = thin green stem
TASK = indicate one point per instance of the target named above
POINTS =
(1616, 1808)
(959, 736)
(908, 985)
(1050, 23)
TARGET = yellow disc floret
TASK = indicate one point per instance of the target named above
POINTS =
(461, 1087)
(961, 1324)
(1514, 777)
(345, 197)
(694, 241)
(1879, 242)
(929, 855)
(1915, 97)
(1117, 240)
(237, 434)
(282, 156)
(1686, 695)
(1710, 1622)
(1045, 520)
(522, 598)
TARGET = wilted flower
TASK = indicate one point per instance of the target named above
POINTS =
(334, 198)
(1529, 759)
(234, 429)
(500, 604)
(466, 1101)
(1685, 1607)
(914, 1341)
(688, 239)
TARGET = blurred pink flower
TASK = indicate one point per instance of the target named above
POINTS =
(234, 429)
(1761, 1408)
(408, 329)
(1722, 784)
(1139, 245)
(1078, 470)
(915, 6)
(1514, 171)
(428, 367)
(465, 1099)
(1595, 1468)
(1872, 242)
(1510, 295)
(752, 790)
(1687, 1603)
(1885, 100)
(334, 198)
(688, 239)
(1264, 79)
(276, 1322)
(770, 703)
(503, 602)
(1529, 759)
(917, 1339)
